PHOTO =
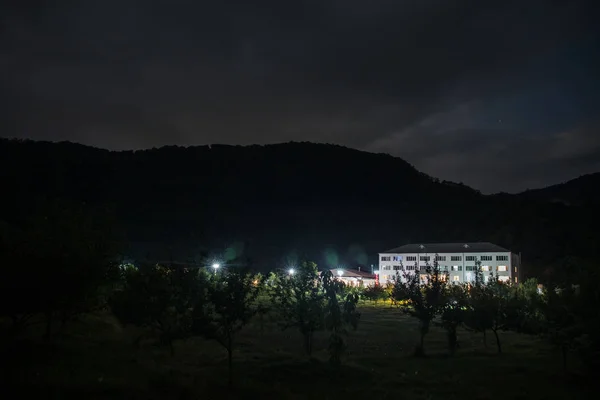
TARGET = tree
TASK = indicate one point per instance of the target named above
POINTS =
(374, 293)
(340, 312)
(524, 311)
(421, 300)
(489, 308)
(299, 301)
(231, 303)
(453, 313)
(160, 298)
(60, 264)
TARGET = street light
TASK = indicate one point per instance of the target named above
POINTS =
(340, 272)
(291, 271)
(216, 266)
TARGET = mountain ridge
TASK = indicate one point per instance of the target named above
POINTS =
(276, 200)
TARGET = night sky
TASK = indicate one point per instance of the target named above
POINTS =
(500, 95)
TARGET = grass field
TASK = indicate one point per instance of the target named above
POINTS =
(95, 359)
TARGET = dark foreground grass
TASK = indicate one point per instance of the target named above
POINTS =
(95, 359)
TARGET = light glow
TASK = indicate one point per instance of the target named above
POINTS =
(340, 272)
(291, 271)
(216, 265)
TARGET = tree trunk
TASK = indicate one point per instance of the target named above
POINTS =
(19, 324)
(63, 321)
(420, 351)
(452, 340)
(136, 342)
(308, 343)
(49, 318)
(497, 341)
(230, 360)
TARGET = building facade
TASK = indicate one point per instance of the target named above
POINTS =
(458, 259)
(353, 277)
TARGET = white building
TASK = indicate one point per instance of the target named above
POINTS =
(459, 259)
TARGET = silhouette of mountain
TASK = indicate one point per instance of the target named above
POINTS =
(326, 202)
(582, 191)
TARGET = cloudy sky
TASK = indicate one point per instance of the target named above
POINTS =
(500, 95)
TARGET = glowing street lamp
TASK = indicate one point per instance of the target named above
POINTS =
(216, 266)
(340, 272)
(291, 271)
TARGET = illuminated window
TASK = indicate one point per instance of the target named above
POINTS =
(397, 258)
(502, 268)
(516, 280)
(486, 258)
(469, 277)
(485, 268)
(515, 269)
(503, 278)
(457, 268)
(456, 278)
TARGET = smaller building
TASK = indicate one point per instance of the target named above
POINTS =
(353, 277)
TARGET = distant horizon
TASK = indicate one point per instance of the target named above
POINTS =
(296, 142)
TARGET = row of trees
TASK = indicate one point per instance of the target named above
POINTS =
(178, 303)
(59, 263)
(66, 267)
(567, 314)
(67, 259)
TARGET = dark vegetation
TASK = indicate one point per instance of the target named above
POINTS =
(266, 202)
(79, 321)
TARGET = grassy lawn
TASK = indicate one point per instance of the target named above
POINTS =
(95, 359)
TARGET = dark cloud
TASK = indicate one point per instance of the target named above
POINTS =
(462, 89)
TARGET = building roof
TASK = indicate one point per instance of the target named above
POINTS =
(477, 247)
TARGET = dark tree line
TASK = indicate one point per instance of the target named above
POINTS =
(566, 313)
(61, 262)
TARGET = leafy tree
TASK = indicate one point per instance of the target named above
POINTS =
(573, 317)
(524, 312)
(488, 309)
(60, 264)
(340, 312)
(299, 301)
(374, 293)
(231, 303)
(421, 300)
(563, 326)
(453, 313)
(159, 298)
